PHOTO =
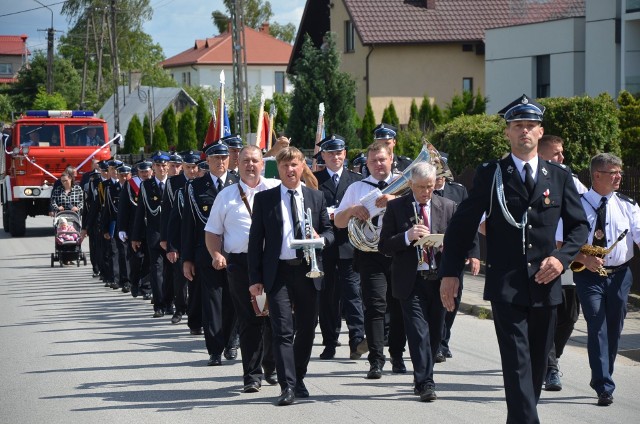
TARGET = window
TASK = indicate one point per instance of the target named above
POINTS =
(349, 37)
(186, 79)
(280, 81)
(467, 47)
(467, 84)
(6, 69)
(543, 76)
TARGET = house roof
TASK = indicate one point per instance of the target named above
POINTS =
(411, 21)
(12, 45)
(261, 48)
(135, 103)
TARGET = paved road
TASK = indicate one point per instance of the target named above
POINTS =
(73, 351)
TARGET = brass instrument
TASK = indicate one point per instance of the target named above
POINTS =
(309, 244)
(597, 251)
(364, 235)
(419, 249)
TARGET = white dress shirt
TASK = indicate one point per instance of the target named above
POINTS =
(520, 166)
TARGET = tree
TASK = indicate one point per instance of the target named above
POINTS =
(317, 79)
(286, 33)
(630, 127)
(392, 115)
(425, 114)
(45, 101)
(467, 104)
(256, 12)
(6, 107)
(368, 125)
(133, 139)
(203, 116)
(159, 138)
(187, 132)
(170, 126)
(146, 130)
(414, 114)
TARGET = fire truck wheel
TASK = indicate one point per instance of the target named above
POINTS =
(17, 219)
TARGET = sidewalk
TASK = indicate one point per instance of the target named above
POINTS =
(472, 303)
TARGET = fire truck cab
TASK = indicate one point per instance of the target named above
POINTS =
(36, 150)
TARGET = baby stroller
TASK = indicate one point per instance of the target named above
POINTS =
(67, 225)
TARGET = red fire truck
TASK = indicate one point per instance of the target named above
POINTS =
(36, 149)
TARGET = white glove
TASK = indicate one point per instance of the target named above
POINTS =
(122, 235)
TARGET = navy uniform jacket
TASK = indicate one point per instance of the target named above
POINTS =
(265, 235)
(173, 185)
(457, 192)
(89, 211)
(398, 218)
(509, 271)
(199, 196)
(127, 207)
(174, 235)
(333, 197)
(111, 205)
(96, 203)
(148, 214)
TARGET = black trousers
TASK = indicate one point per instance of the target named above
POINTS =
(255, 332)
(395, 325)
(568, 312)
(194, 304)
(525, 335)
(423, 315)
(94, 249)
(157, 263)
(180, 292)
(110, 259)
(168, 273)
(340, 295)
(292, 293)
(374, 269)
(449, 317)
(123, 263)
(138, 268)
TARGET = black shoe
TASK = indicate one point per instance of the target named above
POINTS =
(196, 331)
(115, 285)
(448, 354)
(397, 366)
(440, 358)
(176, 318)
(301, 390)
(107, 283)
(95, 274)
(287, 397)
(214, 360)
(359, 348)
(230, 353)
(271, 378)
(135, 290)
(146, 296)
(126, 288)
(428, 394)
(329, 352)
(605, 399)
(552, 382)
(253, 387)
(375, 373)
(158, 313)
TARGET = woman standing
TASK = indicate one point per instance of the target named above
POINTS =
(66, 197)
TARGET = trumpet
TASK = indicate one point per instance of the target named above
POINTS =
(597, 251)
(309, 244)
(419, 250)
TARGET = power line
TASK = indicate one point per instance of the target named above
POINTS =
(29, 10)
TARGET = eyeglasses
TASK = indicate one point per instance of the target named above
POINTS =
(612, 173)
(65, 181)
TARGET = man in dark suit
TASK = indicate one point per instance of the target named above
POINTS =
(523, 208)
(456, 192)
(111, 228)
(91, 213)
(147, 226)
(414, 277)
(211, 304)
(278, 270)
(341, 285)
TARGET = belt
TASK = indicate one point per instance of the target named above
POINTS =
(430, 274)
(292, 262)
(613, 269)
(236, 255)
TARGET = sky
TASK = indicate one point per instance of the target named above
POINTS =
(175, 25)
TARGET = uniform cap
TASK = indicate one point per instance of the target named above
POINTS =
(175, 158)
(218, 149)
(103, 165)
(124, 169)
(233, 141)
(190, 156)
(160, 157)
(522, 109)
(203, 165)
(115, 163)
(332, 143)
(384, 132)
(360, 160)
(318, 158)
(143, 165)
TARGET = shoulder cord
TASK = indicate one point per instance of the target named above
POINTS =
(195, 210)
(497, 182)
(243, 196)
(143, 193)
(169, 192)
(110, 201)
(180, 195)
(131, 196)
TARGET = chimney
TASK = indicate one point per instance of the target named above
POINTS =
(134, 80)
(229, 26)
(265, 28)
(431, 4)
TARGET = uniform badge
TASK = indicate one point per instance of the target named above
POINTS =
(598, 235)
(544, 171)
(510, 169)
(155, 198)
(546, 194)
(205, 208)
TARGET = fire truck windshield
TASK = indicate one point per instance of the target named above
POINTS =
(84, 135)
(40, 135)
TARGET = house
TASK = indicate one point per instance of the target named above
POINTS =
(267, 59)
(597, 51)
(401, 50)
(142, 99)
(13, 56)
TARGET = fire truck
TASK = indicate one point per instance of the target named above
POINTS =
(36, 149)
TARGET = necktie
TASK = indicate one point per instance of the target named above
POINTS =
(439, 192)
(335, 180)
(599, 235)
(297, 228)
(219, 185)
(382, 184)
(528, 179)
(425, 221)
(161, 185)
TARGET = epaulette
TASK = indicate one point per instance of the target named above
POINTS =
(454, 183)
(575, 175)
(404, 158)
(626, 198)
(491, 162)
(559, 165)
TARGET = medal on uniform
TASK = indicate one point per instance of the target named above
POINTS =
(205, 208)
(546, 193)
(155, 198)
(544, 171)
(510, 169)
(598, 234)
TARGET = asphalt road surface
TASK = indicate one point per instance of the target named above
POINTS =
(75, 352)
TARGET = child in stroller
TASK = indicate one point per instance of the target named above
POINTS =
(66, 232)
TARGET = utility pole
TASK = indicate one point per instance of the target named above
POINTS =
(116, 69)
(86, 58)
(50, 33)
(239, 54)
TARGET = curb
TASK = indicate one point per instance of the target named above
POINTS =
(478, 311)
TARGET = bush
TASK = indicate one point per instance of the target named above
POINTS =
(170, 126)
(588, 125)
(630, 127)
(186, 132)
(368, 124)
(159, 139)
(133, 139)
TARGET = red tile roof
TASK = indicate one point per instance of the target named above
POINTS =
(8, 80)
(12, 45)
(410, 21)
(262, 49)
